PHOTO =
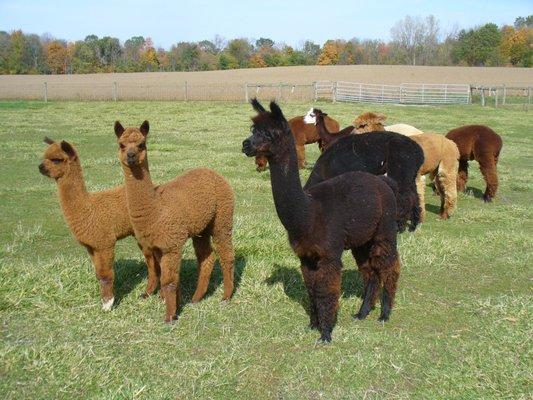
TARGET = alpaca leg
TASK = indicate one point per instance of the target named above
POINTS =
(103, 261)
(390, 280)
(300, 152)
(487, 165)
(327, 291)
(431, 179)
(206, 261)
(446, 182)
(308, 273)
(370, 280)
(222, 238)
(420, 190)
(153, 273)
(170, 271)
(462, 175)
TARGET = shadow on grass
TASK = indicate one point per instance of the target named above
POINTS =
(130, 273)
(472, 191)
(432, 208)
(294, 287)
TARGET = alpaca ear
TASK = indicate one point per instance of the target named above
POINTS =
(276, 111)
(119, 129)
(67, 148)
(47, 140)
(145, 127)
(257, 106)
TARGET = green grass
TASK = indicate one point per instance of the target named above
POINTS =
(461, 327)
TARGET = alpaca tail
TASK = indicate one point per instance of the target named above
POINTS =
(416, 212)
(391, 183)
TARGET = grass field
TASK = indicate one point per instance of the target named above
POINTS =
(461, 327)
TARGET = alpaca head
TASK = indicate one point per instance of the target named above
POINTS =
(132, 143)
(271, 134)
(58, 159)
(369, 122)
(312, 114)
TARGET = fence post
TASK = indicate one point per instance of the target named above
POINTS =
(528, 97)
(496, 97)
(45, 92)
(334, 92)
(316, 92)
(482, 96)
(382, 92)
(246, 92)
(504, 96)
(360, 91)
(114, 91)
(446, 93)
(279, 92)
(186, 91)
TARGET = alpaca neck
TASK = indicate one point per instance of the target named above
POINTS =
(140, 195)
(73, 195)
(292, 204)
(322, 130)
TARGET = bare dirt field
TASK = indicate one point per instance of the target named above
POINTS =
(229, 85)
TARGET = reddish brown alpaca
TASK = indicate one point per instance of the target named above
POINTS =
(304, 133)
(198, 204)
(97, 220)
(480, 143)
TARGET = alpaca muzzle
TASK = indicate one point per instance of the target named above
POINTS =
(247, 148)
(43, 170)
(131, 158)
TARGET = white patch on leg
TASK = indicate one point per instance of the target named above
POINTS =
(310, 117)
(106, 306)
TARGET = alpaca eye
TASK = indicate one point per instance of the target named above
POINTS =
(122, 146)
(142, 146)
(56, 160)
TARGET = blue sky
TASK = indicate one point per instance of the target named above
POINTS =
(168, 22)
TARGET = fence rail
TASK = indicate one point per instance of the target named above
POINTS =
(405, 93)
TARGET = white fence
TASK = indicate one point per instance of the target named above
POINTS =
(406, 93)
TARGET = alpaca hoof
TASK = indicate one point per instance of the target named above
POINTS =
(195, 299)
(144, 296)
(444, 216)
(359, 316)
(107, 305)
(383, 318)
(325, 338)
(487, 199)
(172, 320)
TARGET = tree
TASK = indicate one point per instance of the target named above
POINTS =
(56, 57)
(479, 46)
(516, 45)
(264, 43)
(330, 53)
(524, 22)
(241, 50)
(311, 52)
(148, 56)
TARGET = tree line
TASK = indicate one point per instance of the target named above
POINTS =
(414, 41)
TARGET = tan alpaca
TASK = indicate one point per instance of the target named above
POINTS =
(198, 204)
(96, 219)
(441, 159)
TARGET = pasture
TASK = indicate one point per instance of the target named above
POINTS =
(461, 327)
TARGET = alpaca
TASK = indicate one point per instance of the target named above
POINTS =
(378, 153)
(304, 132)
(198, 204)
(327, 138)
(480, 143)
(371, 122)
(355, 210)
(96, 219)
(441, 159)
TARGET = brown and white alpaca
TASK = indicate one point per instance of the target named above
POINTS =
(96, 219)
(198, 204)
(441, 159)
(304, 131)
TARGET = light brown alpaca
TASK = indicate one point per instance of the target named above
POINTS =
(441, 160)
(198, 204)
(96, 219)
(304, 131)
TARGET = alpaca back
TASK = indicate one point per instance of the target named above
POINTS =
(307, 133)
(475, 139)
(403, 129)
(436, 148)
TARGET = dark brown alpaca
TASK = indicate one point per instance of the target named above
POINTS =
(198, 204)
(480, 143)
(304, 132)
(96, 219)
(355, 211)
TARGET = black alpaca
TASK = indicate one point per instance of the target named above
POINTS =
(378, 153)
(353, 211)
